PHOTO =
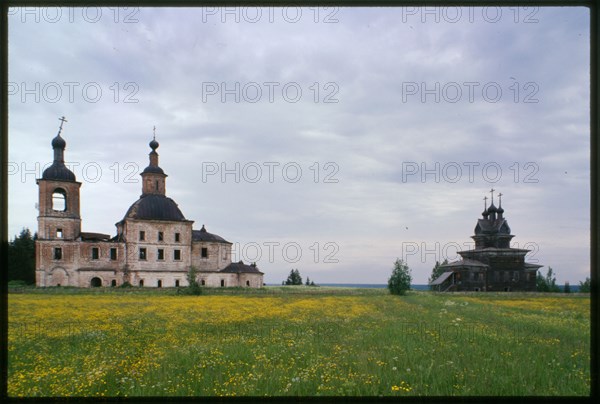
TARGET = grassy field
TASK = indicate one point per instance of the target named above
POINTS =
(296, 341)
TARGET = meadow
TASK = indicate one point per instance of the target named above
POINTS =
(296, 342)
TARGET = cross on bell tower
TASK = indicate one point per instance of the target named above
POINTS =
(62, 120)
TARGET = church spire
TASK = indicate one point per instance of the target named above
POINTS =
(500, 210)
(492, 209)
(485, 212)
(59, 144)
(153, 176)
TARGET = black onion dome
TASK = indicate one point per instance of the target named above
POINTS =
(154, 207)
(153, 144)
(58, 171)
(492, 208)
(485, 213)
(58, 142)
(155, 170)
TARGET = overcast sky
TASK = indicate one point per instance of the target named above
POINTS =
(357, 136)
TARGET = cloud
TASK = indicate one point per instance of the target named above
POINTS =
(382, 92)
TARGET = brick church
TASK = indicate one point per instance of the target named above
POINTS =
(155, 244)
(492, 265)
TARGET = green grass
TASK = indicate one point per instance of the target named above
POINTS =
(296, 341)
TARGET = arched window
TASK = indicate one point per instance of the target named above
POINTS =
(59, 200)
(113, 283)
(96, 282)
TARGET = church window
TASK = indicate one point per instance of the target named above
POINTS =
(496, 276)
(141, 283)
(142, 235)
(177, 255)
(160, 236)
(59, 200)
(247, 283)
(516, 276)
(156, 185)
(222, 282)
(176, 283)
(161, 254)
(177, 237)
(142, 253)
(159, 283)
(203, 282)
(506, 276)
(95, 253)
(204, 252)
(59, 233)
(113, 254)
(113, 283)
(57, 253)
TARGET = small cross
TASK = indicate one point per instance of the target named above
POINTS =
(492, 191)
(500, 197)
(62, 120)
(154, 132)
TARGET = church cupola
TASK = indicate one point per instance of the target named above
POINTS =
(153, 177)
(58, 171)
(485, 213)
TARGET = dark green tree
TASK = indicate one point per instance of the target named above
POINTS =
(400, 280)
(547, 283)
(585, 286)
(307, 281)
(21, 257)
(567, 288)
(436, 272)
(294, 278)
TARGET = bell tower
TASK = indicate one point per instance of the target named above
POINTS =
(59, 217)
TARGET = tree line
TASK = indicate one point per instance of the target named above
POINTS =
(21, 268)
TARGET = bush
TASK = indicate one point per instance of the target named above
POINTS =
(193, 286)
(585, 286)
(400, 280)
(17, 284)
(126, 285)
(547, 283)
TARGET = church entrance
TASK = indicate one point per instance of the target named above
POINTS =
(96, 282)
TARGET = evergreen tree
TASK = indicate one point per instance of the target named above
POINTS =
(193, 286)
(436, 272)
(21, 257)
(585, 286)
(400, 280)
(294, 278)
(567, 288)
(307, 281)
